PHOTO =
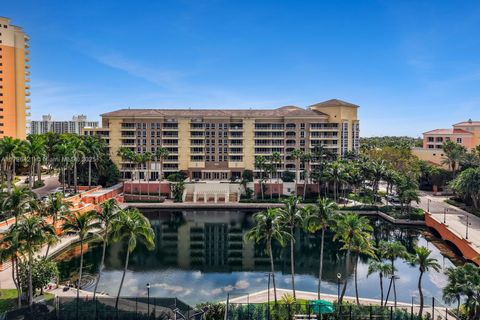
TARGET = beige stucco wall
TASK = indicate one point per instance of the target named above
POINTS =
(435, 156)
(183, 143)
(249, 143)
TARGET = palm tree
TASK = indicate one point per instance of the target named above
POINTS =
(77, 149)
(383, 269)
(319, 217)
(260, 163)
(55, 208)
(453, 154)
(467, 185)
(297, 156)
(81, 224)
(351, 229)
(276, 159)
(392, 251)
(35, 151)
(19, 201)
(10, 249)
(107, 214)
(146, 159)
(133, 226)
(93, 148)
(32, 233)
(63, 152)
(160, 155)
(268, 227)
(292, 216)
(306, 160)
(422, 259)
(10, 150)
(377, 172)
(335, 174)
(360, 246)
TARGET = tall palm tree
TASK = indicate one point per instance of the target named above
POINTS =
(276, 160)
(78, 153)
(319, 217)
(268, 227)
(55, 208)
(350, 229)
(291, 217)
(422, 259)
(32, 233)
(128, 155)
(18, 202)
(383, 269)
(133, 226)
(146, 159)
(392, 251)
(160, 155)
(107, 214)
(64, 155)
(93, 148)
(306, 160)
(260, 163)
(364, 247)
(335, 174)
(10, 150)
(80, 224)
(297, 156)
(453, 154)
(10, 249)
(35, 151)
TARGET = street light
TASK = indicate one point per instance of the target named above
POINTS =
(428, 204)
(339, 277)
(148, 299)
(466, 233)
(445, 215)
(268, 295)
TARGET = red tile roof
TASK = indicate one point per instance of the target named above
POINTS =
(448, 131)
(468, 123)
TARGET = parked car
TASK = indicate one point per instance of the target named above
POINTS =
(393, 199)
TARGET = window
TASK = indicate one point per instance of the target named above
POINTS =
(459, 140)
(430, 139)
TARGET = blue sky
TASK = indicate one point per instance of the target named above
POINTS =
(411, 65)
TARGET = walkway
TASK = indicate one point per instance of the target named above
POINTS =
(451, 223)
(262, 297)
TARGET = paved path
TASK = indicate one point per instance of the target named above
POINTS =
(262, 297)
(455, 218)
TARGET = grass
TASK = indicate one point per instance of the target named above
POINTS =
(8, 299)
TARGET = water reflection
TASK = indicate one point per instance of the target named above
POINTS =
(201, 255)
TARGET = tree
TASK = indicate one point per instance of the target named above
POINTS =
(35, 151)
(260, 163)
(392, 251)
(80, 224)
(63, 155)
(93, 147)
(18, 201)
(276, 159)
(351, 229)
(77, 152)
(107, 215)
(291, 217)
(10, 249)
(160, 155)
(43, 271)
(361, 246)
(422, 259)
(268, 227)
(32, 233)
(335, 173)
(407, 189)
(464, 283)
(383, 270)
(320, 217)
(467, 185)
(306, 160)
(297, 156)
(453, 154)
(55, 208)
(10, 150)
(133, 226)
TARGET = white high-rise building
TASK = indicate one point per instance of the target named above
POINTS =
(73, 126)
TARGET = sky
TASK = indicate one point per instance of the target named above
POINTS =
(411, 66)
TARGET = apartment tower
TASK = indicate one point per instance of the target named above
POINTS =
(212, 144)
(14, 78)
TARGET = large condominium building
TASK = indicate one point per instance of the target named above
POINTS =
(14, 78)
(76, 125)
(220, 144)
(465, 133)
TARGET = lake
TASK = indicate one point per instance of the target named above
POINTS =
(201, 255)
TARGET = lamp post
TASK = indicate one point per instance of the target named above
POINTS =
(339, 277)
(148, 299)
(268, 295)
(428, 204)
(445, 215)
(466, 233)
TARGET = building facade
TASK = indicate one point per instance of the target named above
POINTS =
(466, 133)
(14, 79)
(76, 125)
(221, 144)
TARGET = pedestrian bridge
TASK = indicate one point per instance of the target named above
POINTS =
(469, 251)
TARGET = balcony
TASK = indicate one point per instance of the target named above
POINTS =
(27, 73)
(28, 107)
(27, 66)
(27, 79)
(27, 93)
(27, 100)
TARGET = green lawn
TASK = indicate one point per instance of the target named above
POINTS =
(8, 299)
